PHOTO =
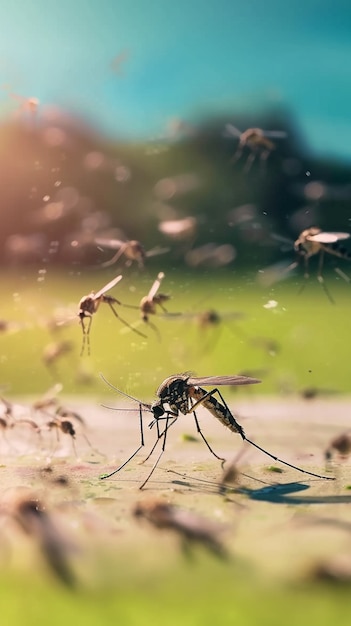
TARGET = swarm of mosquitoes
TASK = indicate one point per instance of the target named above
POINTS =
(179, 394)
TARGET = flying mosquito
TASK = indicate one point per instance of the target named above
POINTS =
(313, 241)
(258, 141)
(148, 304)
(183, 394)
(89, 304)
(132, 250)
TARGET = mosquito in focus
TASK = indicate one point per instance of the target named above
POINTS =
(258, 141)
(183, 394)
(89, 304)
(132, 250)
(313, 241)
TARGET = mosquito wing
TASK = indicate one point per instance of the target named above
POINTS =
(113, 244)
(232, 131)
(155, 287)
(209, 381)
(156, 251)
(277, 134)
(328, 237)
(109, 286)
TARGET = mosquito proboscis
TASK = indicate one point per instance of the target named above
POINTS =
(183, 393)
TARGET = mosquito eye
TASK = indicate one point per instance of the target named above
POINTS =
(157, 410)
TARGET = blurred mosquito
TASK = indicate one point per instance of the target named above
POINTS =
(132, 250)
(183, 394)
(313, 241)
(89, 304)
(210, 324)
(340, 445)
(33, 517)
(63, 421)
(148, 304)
(49, 399)
(190, 527)
(258, 141)
(54, 351)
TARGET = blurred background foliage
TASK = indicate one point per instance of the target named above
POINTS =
(64, 184)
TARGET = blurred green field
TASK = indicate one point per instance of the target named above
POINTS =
(198, 596)
(310, 334)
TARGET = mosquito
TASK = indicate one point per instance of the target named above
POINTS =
(340, 445)
(257, 140)
(190, 527)
(89, 304)
(34, 519)
(153, 299)
(313, 241)
(133, 250)
(183, 394)
(148, 304)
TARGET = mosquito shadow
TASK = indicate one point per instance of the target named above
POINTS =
(278, 494)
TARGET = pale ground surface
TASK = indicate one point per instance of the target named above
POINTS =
(279, 523)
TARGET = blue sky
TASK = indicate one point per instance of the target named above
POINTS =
(183, 59)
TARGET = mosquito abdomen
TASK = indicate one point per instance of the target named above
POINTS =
(218, 410)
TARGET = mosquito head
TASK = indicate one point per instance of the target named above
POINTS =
(87, 306)
(157, 409)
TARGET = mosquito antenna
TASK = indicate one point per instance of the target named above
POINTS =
(299, 469)
(126, 395)
(142, 443)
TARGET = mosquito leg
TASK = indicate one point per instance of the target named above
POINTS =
(95, 450)
(114, 258)
(204, 438)
(159, 434)
(74, 447)
(155, 329)
(263, 161)
(306, 275)
(326, 290)
(103, 476)
(86, 336)
(124, 321)
(321, 279)
(237, 155)
(299, 469)
(164, 435)
(249, 162)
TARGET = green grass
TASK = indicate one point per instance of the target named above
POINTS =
(311, 334)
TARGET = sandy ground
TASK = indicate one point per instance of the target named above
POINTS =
(280, 522)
